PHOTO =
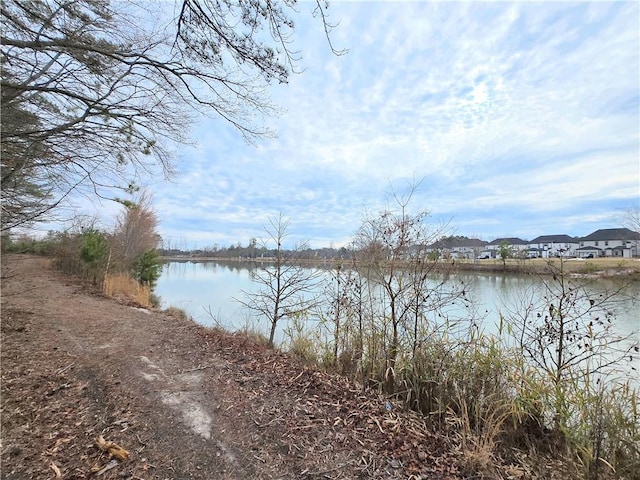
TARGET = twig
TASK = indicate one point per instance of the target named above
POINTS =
(56, 470)
(269, 422)
(377, 423)
(57, 389)
(199, 367)
(112, 464)
(62, 370)
(324, 472)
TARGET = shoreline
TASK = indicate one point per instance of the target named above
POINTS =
(607, 267)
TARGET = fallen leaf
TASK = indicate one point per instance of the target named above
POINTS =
(113, 449)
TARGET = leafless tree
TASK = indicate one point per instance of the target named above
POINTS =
(631, 218)
(285, 287)
(135, 231)
(568, 332)
(393, 254)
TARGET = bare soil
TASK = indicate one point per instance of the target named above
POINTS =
(183, 400)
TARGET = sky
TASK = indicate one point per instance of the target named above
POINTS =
(516, 119)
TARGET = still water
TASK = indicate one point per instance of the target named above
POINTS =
(208, 292)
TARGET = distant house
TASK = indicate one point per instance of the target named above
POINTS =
(533, 252)
(610, 242)
(458, 247)
(546, 246)
(517, 245)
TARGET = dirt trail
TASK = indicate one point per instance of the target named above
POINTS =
(185, 401)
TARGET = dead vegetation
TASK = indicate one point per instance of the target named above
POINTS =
(601, 267)
(123, 287)
(183, 401)
(85, 379)
(316, 415)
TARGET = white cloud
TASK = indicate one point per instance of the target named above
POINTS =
(499, 105)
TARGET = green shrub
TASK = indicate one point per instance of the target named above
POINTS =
(94, 253)
(147, 268)
(590, 267)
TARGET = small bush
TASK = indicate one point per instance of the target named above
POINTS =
(94, 253)
(253, 335)
(304, 348)
(590, 267)
(147, 268)
(301, 342)
(177, 313)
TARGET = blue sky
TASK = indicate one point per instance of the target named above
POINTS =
(521, 119)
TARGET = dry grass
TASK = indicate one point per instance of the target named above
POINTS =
(122, 286)
(479, 444)
(605, 266)
(177, 313)
(577, 264)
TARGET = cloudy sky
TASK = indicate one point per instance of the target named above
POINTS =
(519, 119)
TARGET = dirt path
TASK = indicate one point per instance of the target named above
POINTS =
(184, 401)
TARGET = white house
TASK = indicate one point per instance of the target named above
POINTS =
(547, 246)
(610, 242)
(518, 246)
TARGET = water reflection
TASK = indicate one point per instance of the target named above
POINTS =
(208, 291)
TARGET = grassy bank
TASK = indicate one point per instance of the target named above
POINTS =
(602, 267)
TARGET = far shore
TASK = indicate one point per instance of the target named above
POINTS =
(581, 267)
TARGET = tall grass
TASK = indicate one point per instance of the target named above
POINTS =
(122, 286)
(484, 391)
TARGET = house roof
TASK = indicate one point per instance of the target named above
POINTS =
(581, 249)
(510, 241)
(453, 242)
(554, 239)
(612, 234)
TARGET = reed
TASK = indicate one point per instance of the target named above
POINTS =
(122, 286)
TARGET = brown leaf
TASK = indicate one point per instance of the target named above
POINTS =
(113, 449)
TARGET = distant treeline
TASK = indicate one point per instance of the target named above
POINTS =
(251, 252)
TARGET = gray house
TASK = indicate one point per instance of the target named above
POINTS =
(458, 247)
(610, 242)
(547, 246)
(518, 246)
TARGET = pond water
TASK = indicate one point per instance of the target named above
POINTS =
(208, 292)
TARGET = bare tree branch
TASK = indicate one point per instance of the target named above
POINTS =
(89, 87)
